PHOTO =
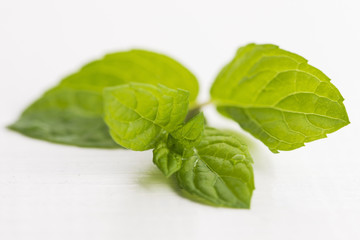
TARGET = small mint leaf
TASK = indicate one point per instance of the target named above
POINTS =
(189, 134)
(218, 170)
(167, 157)
(139, 114)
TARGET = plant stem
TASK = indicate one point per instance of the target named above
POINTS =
(196, 109)
(200, 105)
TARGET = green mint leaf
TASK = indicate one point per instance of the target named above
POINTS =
(189, 134)
(278, 97)
(67, 116)
(134, 66)
(167, 154)
(218, 170)
(139, 114)
(72, 112)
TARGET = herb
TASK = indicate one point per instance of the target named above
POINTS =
(142, 100)
(138, 115)
(218, 170)
(278, 97)
(66, 113)
(168, 153)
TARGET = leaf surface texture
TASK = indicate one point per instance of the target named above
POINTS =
(278, 97)
(218, 170)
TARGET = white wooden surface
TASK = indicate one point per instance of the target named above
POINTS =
(50, 191)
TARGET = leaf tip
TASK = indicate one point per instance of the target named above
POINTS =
(273, 150)
(10, 126)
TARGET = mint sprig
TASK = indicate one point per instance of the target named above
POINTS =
(65, 113)
(142, 100)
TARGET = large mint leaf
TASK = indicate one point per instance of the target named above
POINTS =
(139, 114)
(218, 170)
(167, 154)
(72, 112)
(134, 66)
(278, 97)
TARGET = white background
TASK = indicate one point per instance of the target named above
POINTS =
(50, 191)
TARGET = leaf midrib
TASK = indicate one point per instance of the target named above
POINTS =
(248, 106)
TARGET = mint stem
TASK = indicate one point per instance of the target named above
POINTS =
(196, 109)
(200, 105)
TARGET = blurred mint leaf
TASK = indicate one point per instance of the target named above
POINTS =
(68, 116)
(72, 112)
